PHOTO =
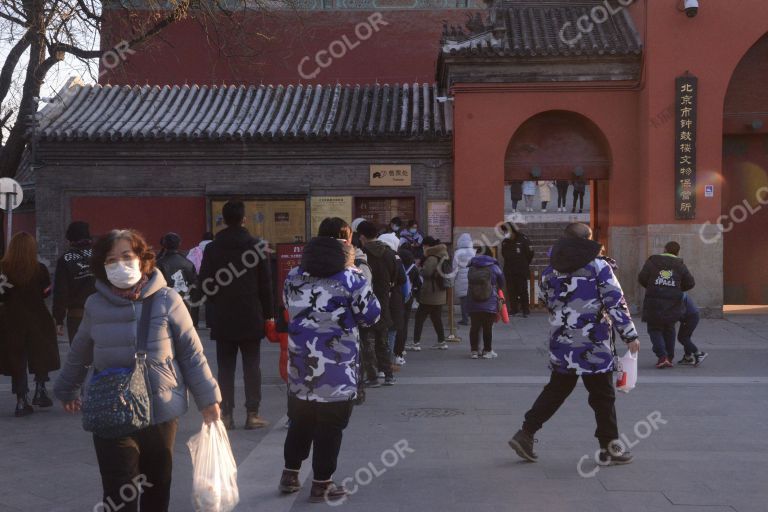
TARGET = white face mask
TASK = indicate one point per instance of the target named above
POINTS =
(124, 274)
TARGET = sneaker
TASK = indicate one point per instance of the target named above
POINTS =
(663, 362)
(699, 356)
(614, 455)
(22, 407)
(474, 355)
(413, 347)
(327, 491)
(390, 381)
(543, 210)
(687, 360)
(399, 360)
(380, 375)
(440, 346)
(289, 482)
(372, 383)
(490, 355)
(40, 397)
(522, 443)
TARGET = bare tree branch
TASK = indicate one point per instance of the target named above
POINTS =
(11, 61)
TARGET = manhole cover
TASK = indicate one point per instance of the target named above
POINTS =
(432, 412)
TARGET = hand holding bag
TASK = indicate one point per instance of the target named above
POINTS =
(214, 476)
(118, 400)
(627, 379)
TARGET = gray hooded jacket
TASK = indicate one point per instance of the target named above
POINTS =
(175, 358)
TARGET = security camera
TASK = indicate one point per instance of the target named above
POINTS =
(691, 8)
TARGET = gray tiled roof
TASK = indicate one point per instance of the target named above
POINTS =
(293, 112)
(541, 29)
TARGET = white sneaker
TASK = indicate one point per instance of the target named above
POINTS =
(439, 346)
(399, 360)
(543, 210)
(381, 375)
(413, 347)
(490, 355)
(474, 354)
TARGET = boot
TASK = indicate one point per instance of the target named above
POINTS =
(289, 482)
(327, 491)
(22, 406)
(522, 443)
(253, 421)
(228, 420)
(41, 398)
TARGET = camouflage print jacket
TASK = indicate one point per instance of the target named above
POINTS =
(585, 301)
(326, 298)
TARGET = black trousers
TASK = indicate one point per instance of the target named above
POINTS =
(375, 352)
(402, 336)
(602, 398)
(137, 469)
(580, 196)
(484, 322)
(517, 294)
(319, 426)
(226, 358)
(562, 194)
(73, 324)
(20, 383)
(435, 313)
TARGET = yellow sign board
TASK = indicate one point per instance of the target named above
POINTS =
(278, 222)
(329, 206)
(390, 175)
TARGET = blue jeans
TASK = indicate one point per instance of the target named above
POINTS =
(687, 325)
(464, 315)
(662, 339)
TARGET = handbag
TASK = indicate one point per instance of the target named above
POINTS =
(118, 401)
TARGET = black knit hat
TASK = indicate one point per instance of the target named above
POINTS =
(170, 241)
(78, 231)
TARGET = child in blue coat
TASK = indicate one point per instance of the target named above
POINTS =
(485, 278)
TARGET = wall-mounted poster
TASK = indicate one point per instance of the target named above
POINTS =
(329, 206)
(380, 210)
(440, 220)
(275, 221)
(288, 257)
(390, 175)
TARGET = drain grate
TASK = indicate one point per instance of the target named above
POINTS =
(432, 412)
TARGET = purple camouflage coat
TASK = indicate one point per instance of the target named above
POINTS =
(326, 300)
(585, 301)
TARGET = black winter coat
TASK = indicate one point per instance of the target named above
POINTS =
(516, 190)
(238, 282)
(26, 327)
(381, 259)
(178, 271)
(665, 279)
(518, 255)
(73, 282)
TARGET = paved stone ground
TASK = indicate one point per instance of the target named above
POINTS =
(456, 415)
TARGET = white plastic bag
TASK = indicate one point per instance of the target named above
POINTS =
(214, 480)
(627, 377)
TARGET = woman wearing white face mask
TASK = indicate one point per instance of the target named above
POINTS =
(107, 338)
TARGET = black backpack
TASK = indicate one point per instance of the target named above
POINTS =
(442, 277)
(480, 284)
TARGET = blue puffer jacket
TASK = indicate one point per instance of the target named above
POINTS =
(497, 281)
(327, 298)
(107, 339)
(585, 301)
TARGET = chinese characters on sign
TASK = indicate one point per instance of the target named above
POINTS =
(390, 175)
(440, 220)
(329, 206)
(685, 147)
(288, 256)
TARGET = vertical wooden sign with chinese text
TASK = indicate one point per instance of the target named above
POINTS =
(685, 147)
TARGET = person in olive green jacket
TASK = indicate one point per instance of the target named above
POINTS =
(432, 296)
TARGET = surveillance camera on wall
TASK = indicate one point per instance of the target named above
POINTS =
(691, 8)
